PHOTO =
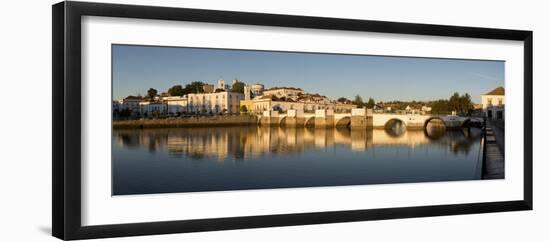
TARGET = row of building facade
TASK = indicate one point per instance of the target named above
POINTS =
(220, 99)
(256, 99)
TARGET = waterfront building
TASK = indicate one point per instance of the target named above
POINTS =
(249, 104)
(214, 103)
(149, 108)
(305, 102)
(131, 103)
(116, 105)
(493, 104)
(176, 104)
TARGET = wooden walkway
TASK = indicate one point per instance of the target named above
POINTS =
(493, 167)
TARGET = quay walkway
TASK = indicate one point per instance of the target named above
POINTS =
(493, 167)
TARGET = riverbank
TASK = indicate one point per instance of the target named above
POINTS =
(202, 121)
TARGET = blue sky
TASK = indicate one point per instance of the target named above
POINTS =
(138, 68)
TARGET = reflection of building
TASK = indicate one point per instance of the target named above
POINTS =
(215, 103)
(493, 104)
(251, 142)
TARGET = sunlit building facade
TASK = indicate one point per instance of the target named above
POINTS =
(214, 103)
(493, 104)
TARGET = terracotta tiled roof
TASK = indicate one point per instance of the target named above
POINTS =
(497, 91)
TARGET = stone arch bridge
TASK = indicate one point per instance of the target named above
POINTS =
(358, 118)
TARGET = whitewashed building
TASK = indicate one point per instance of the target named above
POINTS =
(131, 103)
(176, 104)
(148, 108)
(214, 103)
(493, 104)
(268, 102)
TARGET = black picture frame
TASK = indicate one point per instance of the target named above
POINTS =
(66, 75)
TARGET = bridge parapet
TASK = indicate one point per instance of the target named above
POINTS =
(324, 119)
(324, 113)
(294, 118)
(295, 113)
(361, 118)
(270, 117)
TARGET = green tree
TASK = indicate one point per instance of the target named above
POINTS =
(358, 101)
(440, 107)
(176, 90)
(243, 109)
(343, 100)
(194, 87)
(370, 103)
(238, 87)
(466, 105)
(151, 93)
(454, 102)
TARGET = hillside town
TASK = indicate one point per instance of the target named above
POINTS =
(225, 99)
(239, 98)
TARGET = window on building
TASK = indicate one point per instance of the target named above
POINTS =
(499, 102)
(499, 115)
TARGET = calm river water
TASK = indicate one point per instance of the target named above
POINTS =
(237, 158)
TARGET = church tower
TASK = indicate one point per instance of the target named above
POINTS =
(221, 84)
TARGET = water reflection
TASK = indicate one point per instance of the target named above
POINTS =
(241, 143)
(237, 158)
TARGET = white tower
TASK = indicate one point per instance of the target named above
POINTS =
(221, 84)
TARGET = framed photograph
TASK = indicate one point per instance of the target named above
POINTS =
(169, 120)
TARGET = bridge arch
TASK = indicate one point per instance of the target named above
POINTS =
(466, 122)
(392, 122)
(395, 127)
(343, 122)
(310, 122)
(435, 122)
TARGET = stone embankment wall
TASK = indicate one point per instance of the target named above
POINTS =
(203, 121)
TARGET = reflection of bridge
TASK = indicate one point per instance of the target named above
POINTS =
(250, 141)
(358, 118)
